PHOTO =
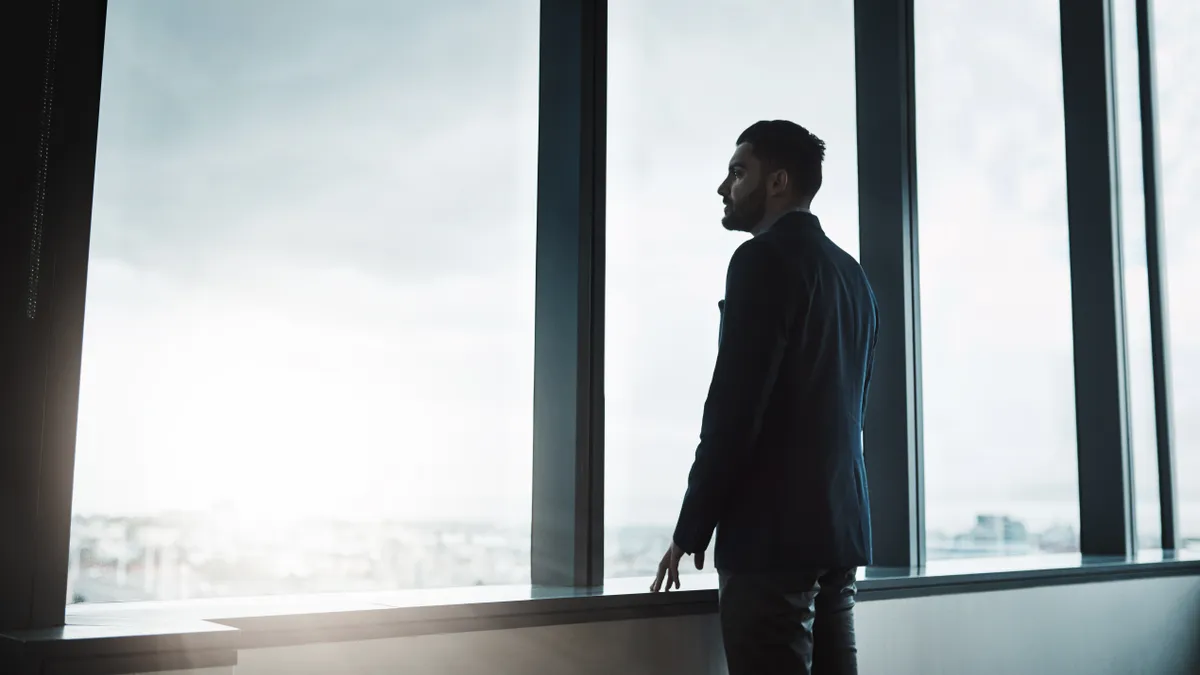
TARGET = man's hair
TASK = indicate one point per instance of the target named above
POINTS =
(780, 144)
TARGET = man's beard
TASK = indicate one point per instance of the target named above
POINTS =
(747, 212)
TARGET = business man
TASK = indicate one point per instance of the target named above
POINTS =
(779, 470)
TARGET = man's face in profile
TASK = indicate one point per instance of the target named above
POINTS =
(743, 191)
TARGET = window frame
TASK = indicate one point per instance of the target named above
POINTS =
(888, 230)
(568, 408)
(1102, 413)
(1160, 352)
(55, 92)
(567, 523)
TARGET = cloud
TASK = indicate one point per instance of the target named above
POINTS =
(328, 145)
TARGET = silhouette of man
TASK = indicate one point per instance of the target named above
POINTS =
(779, 470)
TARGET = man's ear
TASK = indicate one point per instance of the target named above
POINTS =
(777, 183)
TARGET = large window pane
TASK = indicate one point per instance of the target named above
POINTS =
(308, 348)
(998, 378)
(1137, 292)
(684, 80)
(1178, 49)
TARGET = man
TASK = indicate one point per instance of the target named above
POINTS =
(779, 469)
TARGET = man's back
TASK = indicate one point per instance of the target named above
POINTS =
(779, 469)
(785, 410)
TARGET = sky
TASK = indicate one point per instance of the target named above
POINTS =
(312, 267)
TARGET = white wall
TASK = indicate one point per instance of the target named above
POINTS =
(1146, 626)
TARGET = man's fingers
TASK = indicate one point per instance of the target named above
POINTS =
(673, 571)
(656, 586)
(699, 557)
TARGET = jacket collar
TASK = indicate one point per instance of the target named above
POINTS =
(797, 218)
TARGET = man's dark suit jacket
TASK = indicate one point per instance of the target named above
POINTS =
(779, 470)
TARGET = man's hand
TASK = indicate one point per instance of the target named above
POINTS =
(668, 568)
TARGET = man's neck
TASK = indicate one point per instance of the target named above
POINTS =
(768, 222)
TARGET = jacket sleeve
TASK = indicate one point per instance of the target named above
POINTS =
(870, 363)
(759, 307)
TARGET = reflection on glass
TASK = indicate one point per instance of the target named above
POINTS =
(1177, 42)
(312, 260)
(683, 81)
(998, 378)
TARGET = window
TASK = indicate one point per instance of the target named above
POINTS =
(998, 376)
(1137, 291)
(1177, 49)
(312, 258)
(684, 81)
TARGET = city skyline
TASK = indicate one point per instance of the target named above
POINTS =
(124, 560)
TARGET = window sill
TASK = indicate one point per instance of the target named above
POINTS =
(148, 636)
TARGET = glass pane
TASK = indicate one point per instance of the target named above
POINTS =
(312, 259)
(685, 80)
(1137, 292)
(1177, 48)
(998, 378)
